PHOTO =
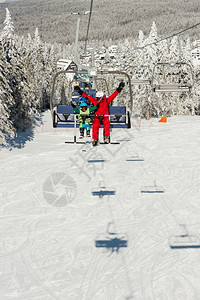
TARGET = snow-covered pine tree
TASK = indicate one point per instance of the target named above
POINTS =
(174, 49)
(36, 41)
(139, 72)
(163, 52)
(186, 51)
(38, 69)
(151, 55)
(140, 42)
(125, 65)
(50, 69)
(6, 101)
(26, 85)
(8, 30)
(29, 41)
(145, 103)
(22, 109)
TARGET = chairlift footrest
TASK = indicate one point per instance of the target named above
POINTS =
(112, 143)
(75, 143)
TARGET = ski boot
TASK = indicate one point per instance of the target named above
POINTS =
(95, 142)
(81, 133)
(106, 139)
(88, 133)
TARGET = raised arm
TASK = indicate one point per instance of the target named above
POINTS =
(118, 90)
(75, 108)
(89, 98)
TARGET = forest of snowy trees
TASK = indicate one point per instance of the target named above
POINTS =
(120, 18)
(26, 69)
(28, 64)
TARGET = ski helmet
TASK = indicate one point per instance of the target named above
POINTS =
(99, 94)
(83, 104)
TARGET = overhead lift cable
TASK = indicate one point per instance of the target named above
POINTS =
(170, 36)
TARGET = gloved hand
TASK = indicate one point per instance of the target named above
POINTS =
(77, 88)
(121, 86)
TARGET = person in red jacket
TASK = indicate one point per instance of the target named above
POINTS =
(101, 114)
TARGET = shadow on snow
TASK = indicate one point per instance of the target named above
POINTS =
(22, 137)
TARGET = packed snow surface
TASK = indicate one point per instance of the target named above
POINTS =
(83, 223)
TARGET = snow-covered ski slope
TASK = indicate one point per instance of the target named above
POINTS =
(89, 225)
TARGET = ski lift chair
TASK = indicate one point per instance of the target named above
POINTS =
(63, 115)
(179, 87)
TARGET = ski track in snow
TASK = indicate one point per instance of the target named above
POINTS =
(48, 251)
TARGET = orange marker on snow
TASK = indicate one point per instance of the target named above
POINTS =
(163, 119)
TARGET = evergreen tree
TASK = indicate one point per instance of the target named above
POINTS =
(163, 51)
(36, 41)
(140, 39)
(6, 101)
(186, 52)
(174, 49)
(23, 77)
(8, 30)
(22, 108)
(38, 69)
(151, 56)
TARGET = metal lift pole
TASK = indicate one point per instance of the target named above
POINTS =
(76, 57)
(91, 4)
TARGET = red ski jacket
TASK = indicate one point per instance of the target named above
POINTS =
(104, 104)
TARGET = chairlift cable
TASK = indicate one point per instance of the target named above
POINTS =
(170, 36)
(91, 4)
